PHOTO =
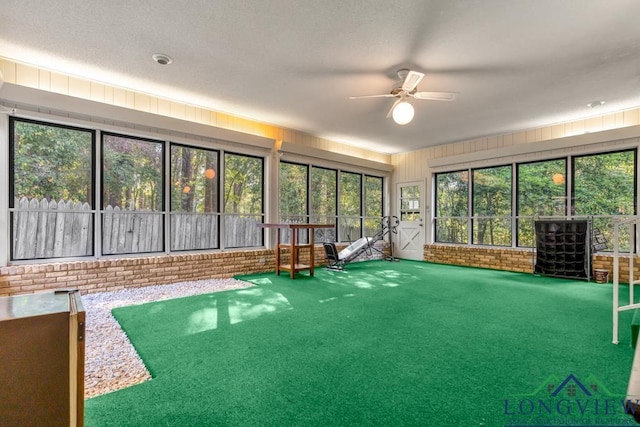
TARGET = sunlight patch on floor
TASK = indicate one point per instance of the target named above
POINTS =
(241, 309)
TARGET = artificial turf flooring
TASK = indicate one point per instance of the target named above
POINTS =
(404, 343)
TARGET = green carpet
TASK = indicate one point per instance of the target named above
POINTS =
(405, 343)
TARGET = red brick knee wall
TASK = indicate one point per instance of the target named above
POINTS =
(496, 258)
(605, 262)
(511, 259)
(114, 274)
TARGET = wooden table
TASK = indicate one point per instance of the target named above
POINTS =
(294, 246)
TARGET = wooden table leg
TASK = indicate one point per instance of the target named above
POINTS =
(312, 261)
(294, 253)
(278, 252)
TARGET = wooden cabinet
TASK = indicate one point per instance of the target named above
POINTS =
(42, 360)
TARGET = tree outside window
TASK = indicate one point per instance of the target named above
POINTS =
(350, 207)
(51, 190)
(243, 200)
(132, 195)
(452, 207)
(541, 192)
(492, 206)
(194, 198)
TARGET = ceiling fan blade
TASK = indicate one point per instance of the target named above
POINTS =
(387, 95)
(393, 106)
(435, 96)
(411, 81)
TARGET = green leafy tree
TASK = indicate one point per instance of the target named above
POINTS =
(132, 173)
(323, 193)
(194, 180)
(542, 192)
(452, 206)
(52, 162)
(243, 184)
(492, 198)
(293, 192)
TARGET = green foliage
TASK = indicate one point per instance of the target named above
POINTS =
(194, 180)
(452, 200)
(293, 191)
(243, 184)
(350, 194)
(373, 196)
(605, 184)
(492, 198)
(132, 173)
(52, 162)
(539, 195)
(323, 191)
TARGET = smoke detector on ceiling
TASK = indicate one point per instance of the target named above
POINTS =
(162, 59)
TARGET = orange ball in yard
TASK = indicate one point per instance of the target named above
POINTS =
(558, 178)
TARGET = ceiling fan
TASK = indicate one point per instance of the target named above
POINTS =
(401, 110)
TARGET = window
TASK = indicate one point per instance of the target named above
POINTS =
(541, 192)
(410, 203)
(132, 195)
(373, 201)
(51, 197)
(350, 207)
(194, 198)
(452, 207)
(243, 200)
(293, 183)
(492, 206)
(324, 193)
(603, 188)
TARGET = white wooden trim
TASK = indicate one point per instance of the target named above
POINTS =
(63, 109)
(627, 136)
(291, 150)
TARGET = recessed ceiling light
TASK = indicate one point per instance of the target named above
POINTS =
(594, 104)
(162, 59)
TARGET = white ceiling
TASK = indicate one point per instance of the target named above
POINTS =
(294, 63)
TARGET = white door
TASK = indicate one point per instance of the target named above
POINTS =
(409, 241)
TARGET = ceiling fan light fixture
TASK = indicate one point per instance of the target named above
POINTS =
(403, 113)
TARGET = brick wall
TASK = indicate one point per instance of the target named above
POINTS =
(511, 259)
(605, 262)
(115, 274)
(496, 258)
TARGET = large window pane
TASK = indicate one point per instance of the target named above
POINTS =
(132, 195)
(51, 192)
(194, 198)
(410, 203)
(492, 206)
(292, 202)
(350, 207)
(323, 202)
(373, 201)
(542, 192)
(604, 188)
(293, 192)
(243, 200)
(603, 184)
(452, 207)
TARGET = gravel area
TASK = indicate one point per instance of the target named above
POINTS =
(111, 362)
